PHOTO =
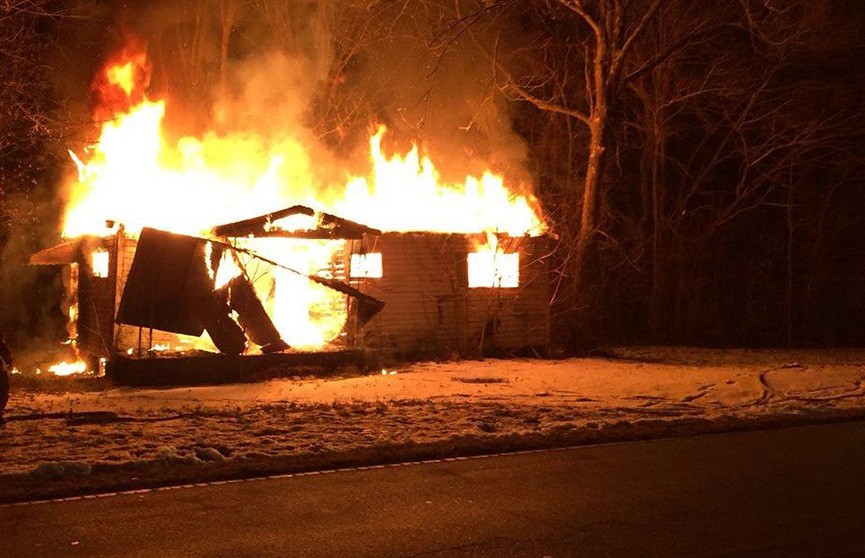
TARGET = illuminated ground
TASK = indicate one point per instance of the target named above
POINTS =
(412, 412)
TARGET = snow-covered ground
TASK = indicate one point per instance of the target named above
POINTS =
(137, 436)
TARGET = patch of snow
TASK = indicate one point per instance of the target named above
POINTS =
(487, 403)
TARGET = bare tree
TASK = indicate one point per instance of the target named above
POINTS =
(680, 118)
(29, 126)
(26, 104)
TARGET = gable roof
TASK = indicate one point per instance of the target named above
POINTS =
(327, 226)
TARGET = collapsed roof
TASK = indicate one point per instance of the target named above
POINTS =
(171, 282)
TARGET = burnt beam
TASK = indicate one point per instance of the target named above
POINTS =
(255, 225)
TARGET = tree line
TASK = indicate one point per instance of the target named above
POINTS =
(700, 162)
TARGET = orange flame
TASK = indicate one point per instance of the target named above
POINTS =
(122, 83)
(137, 176)
(68, 368)
(404, 193)
(490, 266)
(122, 76)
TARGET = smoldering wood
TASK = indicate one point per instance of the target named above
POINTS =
(62, 254)
(76, 250)
(251, 314)
(317, 234)
(215, 315)
(345, 227)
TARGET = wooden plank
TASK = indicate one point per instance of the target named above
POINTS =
(428, 302)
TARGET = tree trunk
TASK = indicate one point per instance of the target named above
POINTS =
(595, 166)
(658, 295)
(788, 306)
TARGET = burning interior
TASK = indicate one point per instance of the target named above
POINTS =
(177, 248)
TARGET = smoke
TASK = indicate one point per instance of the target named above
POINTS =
(325, 73)
(267, 94)
(429, 86)
(26, 178)
(30, 314)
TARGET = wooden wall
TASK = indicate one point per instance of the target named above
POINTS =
(95, 327)
(98, 299)
(500, 319)
(430, 310)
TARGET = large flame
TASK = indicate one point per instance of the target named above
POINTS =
(136, 175)
(404, 193)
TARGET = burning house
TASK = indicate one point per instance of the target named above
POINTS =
(395, 294)
(394, 263)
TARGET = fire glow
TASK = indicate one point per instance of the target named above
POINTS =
(68, 368)
(135, 174)
(490, 266)
(99, 263)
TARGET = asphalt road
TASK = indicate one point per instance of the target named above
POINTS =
(793, 492)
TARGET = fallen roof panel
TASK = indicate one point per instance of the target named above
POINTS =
(167, 280)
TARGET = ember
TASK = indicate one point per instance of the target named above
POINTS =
(68, 368)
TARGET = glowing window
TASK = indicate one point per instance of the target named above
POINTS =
(494, 269)
(99, 263)
(366, 265)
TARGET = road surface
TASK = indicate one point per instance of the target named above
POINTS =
(792, 492)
